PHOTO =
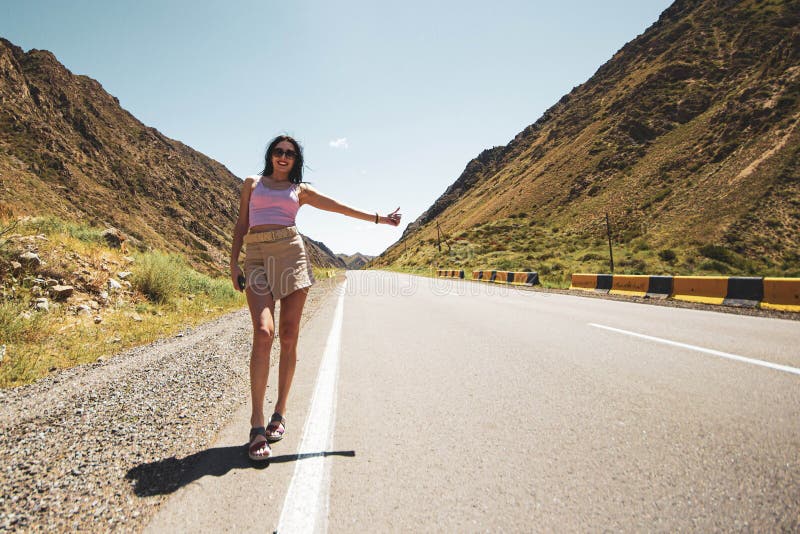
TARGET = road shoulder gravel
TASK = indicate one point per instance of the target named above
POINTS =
(95, 447)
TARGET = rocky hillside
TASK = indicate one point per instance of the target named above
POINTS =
(68, 149)
(322, 256)
(687, 137)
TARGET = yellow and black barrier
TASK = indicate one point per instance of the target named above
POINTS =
(507, 277)
(781, 294)
(450, 273)
(499, 277)
(601, 283)
(752, 292)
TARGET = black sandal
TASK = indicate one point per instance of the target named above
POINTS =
(255, 449)
(274, 430)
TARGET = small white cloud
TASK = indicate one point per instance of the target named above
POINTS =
(339, 143)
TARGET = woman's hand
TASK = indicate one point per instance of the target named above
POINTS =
(393, 218)
(236, 272)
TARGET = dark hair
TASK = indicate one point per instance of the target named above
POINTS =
(296, 174)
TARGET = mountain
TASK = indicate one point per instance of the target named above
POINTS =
(322, 256)
(67, 148)
(355, 261)
(687, 137)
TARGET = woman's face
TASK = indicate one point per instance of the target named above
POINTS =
(283, 157)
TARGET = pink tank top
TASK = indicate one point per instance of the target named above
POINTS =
(273, 206)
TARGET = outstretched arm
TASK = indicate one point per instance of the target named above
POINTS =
(312, 197)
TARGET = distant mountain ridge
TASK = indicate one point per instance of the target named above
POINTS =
(688, 137)
(67, 148)
(355, 261)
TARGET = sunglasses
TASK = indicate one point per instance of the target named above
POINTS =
(281, 153)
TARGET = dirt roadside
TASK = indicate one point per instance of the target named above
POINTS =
(69, 442)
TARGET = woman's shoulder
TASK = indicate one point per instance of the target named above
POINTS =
(253, 180)
(305, 186)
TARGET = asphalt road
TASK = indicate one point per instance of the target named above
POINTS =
(447, 405)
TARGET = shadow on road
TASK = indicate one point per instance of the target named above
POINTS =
(170, 474)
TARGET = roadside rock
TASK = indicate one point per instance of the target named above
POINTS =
(30, 259)
(42, 304)
(114, 238)
(60, 292)
(113, 285)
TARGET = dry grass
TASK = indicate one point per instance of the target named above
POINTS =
(37, 342)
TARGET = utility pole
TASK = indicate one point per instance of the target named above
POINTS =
(438, 237)
(610, 250)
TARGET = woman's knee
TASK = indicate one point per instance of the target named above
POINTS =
(263, 333)
(289, 333)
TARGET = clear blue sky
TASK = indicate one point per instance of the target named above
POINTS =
(411, 90)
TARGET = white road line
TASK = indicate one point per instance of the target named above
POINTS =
(762, 363)
(306, 506)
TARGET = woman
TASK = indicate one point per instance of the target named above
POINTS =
(276, 268)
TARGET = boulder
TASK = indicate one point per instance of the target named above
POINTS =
(41, 304)
(124, 275)
(113, 237)
(30, 259)
(113, 285)
(60, 292)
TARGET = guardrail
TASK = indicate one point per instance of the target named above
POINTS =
(453, 273)
(744, 291)
(497, 277)
(769, 293)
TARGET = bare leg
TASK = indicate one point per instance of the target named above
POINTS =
(291, 311)
(262, 312)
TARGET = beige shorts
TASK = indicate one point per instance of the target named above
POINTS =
(278, 266)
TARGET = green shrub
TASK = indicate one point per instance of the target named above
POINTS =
(51, 225)
(715, 266)
(162, 277)
(591, 256)
(716, 252)
(14, 328)
(158, 275)
(668, 255)
(505, 265)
